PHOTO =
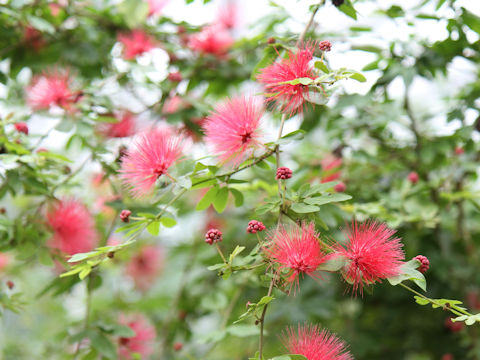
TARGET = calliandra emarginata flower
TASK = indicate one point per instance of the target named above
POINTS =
(151, 156)
(295, 249)
(52, 88)
(156, 6)
(372, 254)
(124, 127)
(232, 130)
(145, 266)
(213, 39)
(135, 43)
(314, 343)
(73, 227)
(141, 343)
(297, 65)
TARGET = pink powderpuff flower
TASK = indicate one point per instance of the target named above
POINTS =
(141, 343)
(295, 249)
(372, 252)
(125, 127)
(145, 266)
(228, 15)
(153, 153)
(290, 97)
(315, 343)
(156, 6)
(213, 39)
(51, 89)
(135, 43)
(232, 130)
(73, 227)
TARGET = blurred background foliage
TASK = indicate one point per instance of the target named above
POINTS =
(417, 112)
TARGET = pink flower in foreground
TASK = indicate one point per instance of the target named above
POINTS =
(144, 267)
(213, 39)
(290, 97)
(232, 130)
(156, 6)
(295, 249)
(141, 343)
(153, 153)
(125, 126)
(73, 227)
(51, 88)
(314, 343)
(373, 254)
(135, 43)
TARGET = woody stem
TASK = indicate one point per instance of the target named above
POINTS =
(262, 321)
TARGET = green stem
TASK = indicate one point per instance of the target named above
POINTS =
(87, 313)
(262, 321)
(221, 253)
(432, 301)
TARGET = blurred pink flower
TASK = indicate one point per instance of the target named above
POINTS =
(73, 227)
(125, 127)
(172, 104)
(145, 266)
(228, 15)
(295, 249)
(51, 88)
(4, 261)
(156, 6)
(373, 254)
(289, 97)
(141, 343)
(135, 43)
(232, 130)
(314, 343)
(212, 39)
(330, 168)
(33, 38)
(153, 153)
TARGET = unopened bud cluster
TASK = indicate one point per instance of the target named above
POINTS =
(213, 236)
(424, 263)
(283, 173)
(255, 226)
(325, 45)
(125, 215)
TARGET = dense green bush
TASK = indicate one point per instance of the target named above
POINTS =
(92, 90)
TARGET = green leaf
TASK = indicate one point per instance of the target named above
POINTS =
(238, 197)
(134, 12)
(348, 9)
(420, 300)
(408, 271)
(293, 136)
(154, 228)
(322, 66)
(334, 264)
(301, 208)
(102, 344)
(269, 55)
(265, 300)
(242, 330)
(326, 199)
(235, 252)
(41, 24)
(220, 202)
(207, 199)
(359, 77)
(168, 222)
